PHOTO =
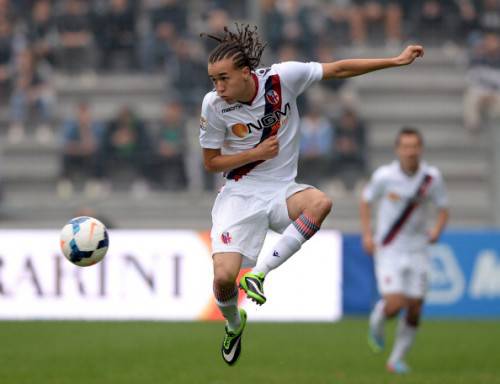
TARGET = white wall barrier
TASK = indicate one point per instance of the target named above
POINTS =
(157, 275)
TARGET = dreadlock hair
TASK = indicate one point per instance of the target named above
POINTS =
(243, 46)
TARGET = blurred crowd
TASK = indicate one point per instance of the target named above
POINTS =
(40, 38)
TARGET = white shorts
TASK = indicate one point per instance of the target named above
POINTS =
(243, 213)
(401, 272)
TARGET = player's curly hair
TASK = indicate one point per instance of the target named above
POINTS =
(243, 46)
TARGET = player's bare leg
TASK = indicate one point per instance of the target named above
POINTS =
(405, 336)
(307, 209)
(386, 308)
(226, 269)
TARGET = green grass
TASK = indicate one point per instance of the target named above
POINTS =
(177, 353)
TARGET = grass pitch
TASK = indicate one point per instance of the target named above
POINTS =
(294, 353)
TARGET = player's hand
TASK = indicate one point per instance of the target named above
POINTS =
(368, 244)
(433, 236)
(268, 149)
(409, 54)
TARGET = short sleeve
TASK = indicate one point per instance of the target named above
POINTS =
(438, 192)
(297, 76)
(375, 188)
(212, 128)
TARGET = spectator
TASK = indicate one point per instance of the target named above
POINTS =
(75, 33)
(42, 34)
(337, 93)
(188, 71)
(468, 20)
(168, 19)
(125, 153)
(350, 148)
(7, 49)
(291, 24)
(81, 137)
(339, 16)
(376, 21)
(117, 36)
(482, 95)
(217, 19)
(489, 17)
(316, 146)
(32, 98)
(434, 21)
(171, 148)
(8, 11)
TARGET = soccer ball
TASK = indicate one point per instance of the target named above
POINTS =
(84, 241)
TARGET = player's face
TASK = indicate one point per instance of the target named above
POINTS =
(409, 151)
(230, 83)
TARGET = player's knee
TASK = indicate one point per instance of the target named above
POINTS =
(322, 204)
(393, 307)
(224, 279)
(391, 310)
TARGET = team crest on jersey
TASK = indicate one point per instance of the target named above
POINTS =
(272, 97)
(226, 237)
(240, 130)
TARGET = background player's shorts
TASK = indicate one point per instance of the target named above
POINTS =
(401, 272)
(244, 212)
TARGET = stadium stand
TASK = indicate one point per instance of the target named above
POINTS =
(430, 97)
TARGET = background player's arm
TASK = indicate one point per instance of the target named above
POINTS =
(214, 161)
(355, 67)
(442, 219)
(365, 213)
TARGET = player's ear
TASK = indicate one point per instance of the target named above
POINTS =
(247, 73)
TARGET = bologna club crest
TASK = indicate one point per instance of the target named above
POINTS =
(272, 97)
(226, 238)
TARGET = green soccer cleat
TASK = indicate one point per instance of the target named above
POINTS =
(376, 343)
(231, 346)
(253, 285)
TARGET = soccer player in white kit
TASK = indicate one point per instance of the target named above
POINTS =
(403, 190)
(249, 129)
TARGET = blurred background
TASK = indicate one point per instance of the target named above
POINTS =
(99, 103)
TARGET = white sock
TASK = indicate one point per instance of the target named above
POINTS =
(292, 239)
(289, 244)
(377, 319)
(229, 308)
(405, 337)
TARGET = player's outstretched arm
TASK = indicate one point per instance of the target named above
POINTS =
(355, 67)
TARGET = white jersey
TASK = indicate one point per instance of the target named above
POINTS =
(396, 193)
(238, 127)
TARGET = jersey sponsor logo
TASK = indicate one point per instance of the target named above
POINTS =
(233, 108)
(272, 97)
(270, 119)
(393, 196)
(240, 130)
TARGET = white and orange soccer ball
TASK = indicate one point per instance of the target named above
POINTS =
(84, 241)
